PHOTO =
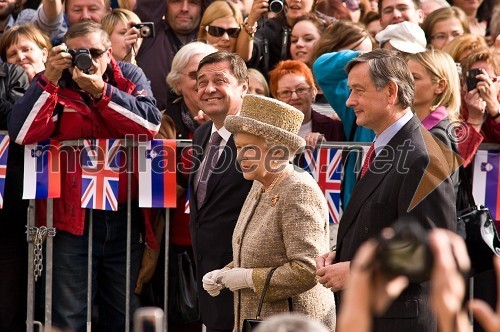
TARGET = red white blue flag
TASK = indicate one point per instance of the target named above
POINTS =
(157, 179)
(4, 153)
(100, 161)
(485, 184)
(325, 166)
(42, 176)
(187, 209)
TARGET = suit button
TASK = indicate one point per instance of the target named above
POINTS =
(199, 257)
(365, 230)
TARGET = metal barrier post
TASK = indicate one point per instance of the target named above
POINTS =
(89, 270)
(49, 246)
(129, 230)
(31, 273)
(165, 281)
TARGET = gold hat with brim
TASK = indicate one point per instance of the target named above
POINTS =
(268, 118)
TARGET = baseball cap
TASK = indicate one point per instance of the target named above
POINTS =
(405, 37)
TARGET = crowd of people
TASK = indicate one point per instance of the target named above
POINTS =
(252, 84)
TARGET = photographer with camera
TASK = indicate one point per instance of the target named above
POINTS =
(271, 41)
(123, 26)
(85, 93)
(481, 96)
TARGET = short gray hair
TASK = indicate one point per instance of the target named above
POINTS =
(291, 322)
(182, 58)
(388, 66)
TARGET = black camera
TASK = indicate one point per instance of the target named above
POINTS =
(146, 29)
(470, 78)
(81, 58)
(405, 251)
(275, 6)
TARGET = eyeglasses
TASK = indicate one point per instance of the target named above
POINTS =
(191, 75)
(219, 32)
(96, 53)
(287, 94)
(445, 36)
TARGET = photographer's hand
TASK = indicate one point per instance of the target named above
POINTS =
(131, 39)
(488, 91)
(368, 292)
(489, 319)
(451, 262)
(57, 61)
(476, 107)
(92, 83)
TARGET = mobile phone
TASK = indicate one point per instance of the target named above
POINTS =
(148, 319)
(470, 78)
(146, 29)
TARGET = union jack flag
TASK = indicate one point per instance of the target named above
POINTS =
(100, 160)
(4, 152)
(325, 166)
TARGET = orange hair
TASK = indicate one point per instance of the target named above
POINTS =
(289, 67)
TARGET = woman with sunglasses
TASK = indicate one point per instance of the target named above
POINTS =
(220, 25)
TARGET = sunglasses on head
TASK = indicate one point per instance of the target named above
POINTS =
(219, 32)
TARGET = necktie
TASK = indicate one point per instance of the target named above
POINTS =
(210, 161)
(370, 155)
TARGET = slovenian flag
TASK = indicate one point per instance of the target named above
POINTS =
(157, 178)
(4, 153)
(486, 189)
(42, 177)
(100, 174)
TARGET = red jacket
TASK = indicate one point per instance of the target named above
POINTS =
(126, 109)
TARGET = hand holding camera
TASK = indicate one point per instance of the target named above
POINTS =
(479, 82)
(57, 61)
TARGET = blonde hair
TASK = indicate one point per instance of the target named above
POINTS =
(441, 66)
(261, 79)
(27, 30)
(442, 14)
(109, 21)
(218, 9)
(462, 44)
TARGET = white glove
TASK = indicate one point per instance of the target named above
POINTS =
(210, 283)
(236, 278)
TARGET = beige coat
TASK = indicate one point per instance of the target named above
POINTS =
(286, 228)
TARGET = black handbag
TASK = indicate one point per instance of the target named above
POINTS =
(182, 289)
(249, 324)
(476, 226)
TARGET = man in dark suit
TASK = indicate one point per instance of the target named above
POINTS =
(217, 193)
(406, 173)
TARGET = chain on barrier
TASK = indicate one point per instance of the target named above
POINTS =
(39, 234)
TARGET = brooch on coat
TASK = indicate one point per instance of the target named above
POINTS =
(275, 199)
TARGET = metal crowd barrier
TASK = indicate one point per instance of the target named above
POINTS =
(32, 233)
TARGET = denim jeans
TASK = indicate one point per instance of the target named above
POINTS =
(108, 271)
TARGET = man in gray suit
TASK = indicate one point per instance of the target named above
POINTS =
(406, 173)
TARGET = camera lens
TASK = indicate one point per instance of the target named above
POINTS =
(276, 6)
(145, 31)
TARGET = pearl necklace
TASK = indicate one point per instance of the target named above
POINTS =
(271, 186)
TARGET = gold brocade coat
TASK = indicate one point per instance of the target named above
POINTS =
(286, 228)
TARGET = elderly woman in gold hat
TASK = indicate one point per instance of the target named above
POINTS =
(283, 223)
